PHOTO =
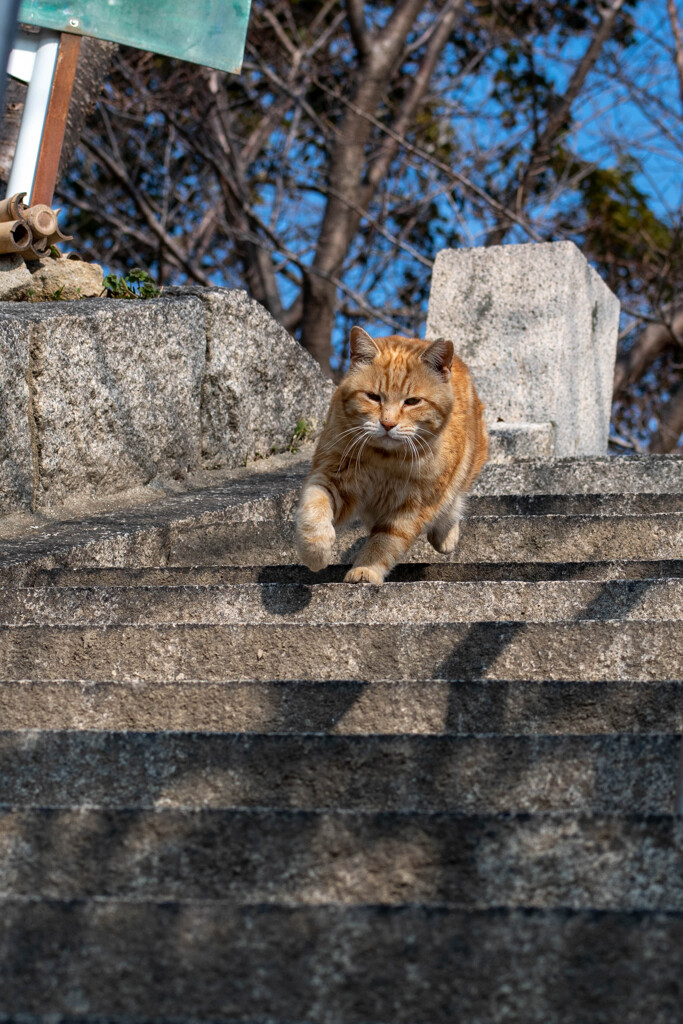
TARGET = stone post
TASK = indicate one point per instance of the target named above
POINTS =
(538, 328)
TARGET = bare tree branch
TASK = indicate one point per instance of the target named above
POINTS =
(648, 346)
(454, 176)
(119, 171)
(414, 96)
(362, 40)
(678, 42)
(670, 424)
(346, 166)
(557, 119)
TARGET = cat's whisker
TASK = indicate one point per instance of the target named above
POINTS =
(359, 454)
(346, 457)
(362, 439)
(421, 440)
(407, 450)
(416, 445)
(410, 448)
(425, 449)
(418, 460)
(360, 433)
(335, 440)
(358, 457)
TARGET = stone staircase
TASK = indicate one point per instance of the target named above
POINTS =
(237, 792)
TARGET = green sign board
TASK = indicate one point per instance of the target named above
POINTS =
(210, 32)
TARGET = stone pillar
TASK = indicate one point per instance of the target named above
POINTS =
(538, 328)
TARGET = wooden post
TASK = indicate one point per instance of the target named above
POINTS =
(55, 120)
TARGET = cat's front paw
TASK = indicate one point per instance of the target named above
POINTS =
(364, 574)
(315, 549)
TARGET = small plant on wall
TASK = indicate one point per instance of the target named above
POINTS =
(134, 284)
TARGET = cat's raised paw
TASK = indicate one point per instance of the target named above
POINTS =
(314, 544)
(314, 556)
(364, 574)
(445, 544)
(316, 552)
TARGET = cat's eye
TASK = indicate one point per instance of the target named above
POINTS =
(372, 397)
(412, 401)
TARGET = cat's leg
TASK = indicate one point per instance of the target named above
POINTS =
(387, 543)
(314, 525)
(444, 531)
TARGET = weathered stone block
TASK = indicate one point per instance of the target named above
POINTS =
(103, 395)
(509, 442)
(16, 456)
(538, 328)
(258, 384)
(115, 391)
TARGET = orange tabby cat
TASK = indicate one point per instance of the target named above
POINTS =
(404, 439)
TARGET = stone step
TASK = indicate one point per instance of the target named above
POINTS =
(508, 538)
(468, 774)
(585, 651)
(602, 862)
(485, 538)
(608, 474)
(330, 603)
(211, 520)
(406, 572)
(111, 960)
(440, 707)
(572, 504)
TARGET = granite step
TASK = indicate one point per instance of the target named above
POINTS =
(507, 538)
(214, 520)
(629, 474)
(266, 541)
(325, 604)
(406, 572)
(601, 862)
(628, 774)
(492, 538)
(421, 707)
(105, 960)
(572, 504)
(584, 650)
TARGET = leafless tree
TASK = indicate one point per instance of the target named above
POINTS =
(361, 138)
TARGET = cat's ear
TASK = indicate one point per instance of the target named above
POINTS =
(363, 348)
(439, 357)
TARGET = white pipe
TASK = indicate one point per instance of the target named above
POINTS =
(26, 153)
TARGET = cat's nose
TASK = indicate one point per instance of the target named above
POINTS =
(387, 424)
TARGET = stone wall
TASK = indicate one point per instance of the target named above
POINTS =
(102, 395)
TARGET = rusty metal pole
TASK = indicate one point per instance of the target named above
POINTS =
(55, 120)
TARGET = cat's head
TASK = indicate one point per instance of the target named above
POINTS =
(397, 388)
